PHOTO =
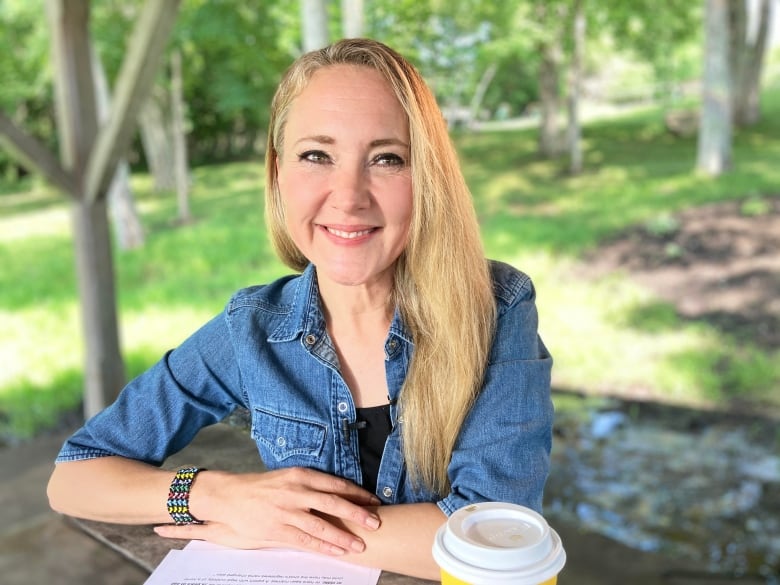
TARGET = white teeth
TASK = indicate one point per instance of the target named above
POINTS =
(348, 235)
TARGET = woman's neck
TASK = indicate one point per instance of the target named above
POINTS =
(358, 319)
(359, 306)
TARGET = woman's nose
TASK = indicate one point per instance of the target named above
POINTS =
(350, 189)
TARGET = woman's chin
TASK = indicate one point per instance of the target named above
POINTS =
(354, 276)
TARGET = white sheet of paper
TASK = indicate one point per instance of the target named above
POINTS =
(205, 564)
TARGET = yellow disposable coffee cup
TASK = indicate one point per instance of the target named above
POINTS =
(494, 543)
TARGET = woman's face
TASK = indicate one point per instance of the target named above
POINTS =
(344, 175)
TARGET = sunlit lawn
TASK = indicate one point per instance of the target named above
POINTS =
(608, 335)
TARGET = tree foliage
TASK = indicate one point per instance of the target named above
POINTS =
(234, 52)
(25, 93)
(232, 64)
(657, 32)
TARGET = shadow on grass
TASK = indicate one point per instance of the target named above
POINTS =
(731, 371)
(634, 171)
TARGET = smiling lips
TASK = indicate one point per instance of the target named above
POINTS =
(349, 235)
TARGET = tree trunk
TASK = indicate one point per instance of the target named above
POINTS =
(548, 17)
(180, 140)
(352, 18)
(479, 93)
(121, 205)
(550, 139)
(157, 143)
(124, 214)
(575, 84)
(715, 132)
(747, 52)
(314, 17)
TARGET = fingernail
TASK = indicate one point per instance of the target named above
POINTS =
(372, 522)
(337, 550)
(358, 545)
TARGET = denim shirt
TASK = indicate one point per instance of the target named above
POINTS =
(269, 352)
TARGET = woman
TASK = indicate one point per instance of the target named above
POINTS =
(398, 378)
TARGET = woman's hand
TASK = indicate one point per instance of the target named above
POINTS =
(282, 508)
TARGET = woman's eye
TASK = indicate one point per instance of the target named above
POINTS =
(314, 156)
(389, 159)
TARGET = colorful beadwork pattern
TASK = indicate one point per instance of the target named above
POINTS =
(179, 496)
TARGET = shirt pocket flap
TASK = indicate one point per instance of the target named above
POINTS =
(287, 436)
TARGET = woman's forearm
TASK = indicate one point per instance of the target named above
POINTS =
(253, 510)
(114, 489)
(403, 542)
(111, 489)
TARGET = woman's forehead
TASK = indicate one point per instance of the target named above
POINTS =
(351, 95)
(346, 81)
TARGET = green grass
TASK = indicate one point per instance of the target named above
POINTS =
(608, 335)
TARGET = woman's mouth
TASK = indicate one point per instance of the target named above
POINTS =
(347, 234)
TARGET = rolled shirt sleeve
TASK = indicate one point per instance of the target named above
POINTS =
(159, 412)
(503, 450)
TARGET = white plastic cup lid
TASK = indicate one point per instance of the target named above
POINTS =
(496, 542)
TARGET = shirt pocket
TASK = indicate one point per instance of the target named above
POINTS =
(288, 439)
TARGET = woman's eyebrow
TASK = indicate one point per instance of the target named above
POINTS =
(389, 142)
(325, 139)
(319, 138)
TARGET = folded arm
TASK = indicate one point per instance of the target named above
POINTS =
(287, 507)
(294, 508)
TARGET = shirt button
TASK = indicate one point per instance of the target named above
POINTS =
(343, 407)
(393, 344)
(281, 441)
(310, 339)
(387, 492)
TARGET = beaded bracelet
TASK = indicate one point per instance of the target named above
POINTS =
(179, 496)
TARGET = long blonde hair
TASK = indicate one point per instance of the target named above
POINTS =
(442, 282)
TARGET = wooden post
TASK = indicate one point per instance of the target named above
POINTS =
(35, 156)
(91, 159)
(104, 372)
(134, 84)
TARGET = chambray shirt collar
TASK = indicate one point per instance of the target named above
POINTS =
(302, 298)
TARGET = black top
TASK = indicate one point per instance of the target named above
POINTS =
(371, 440)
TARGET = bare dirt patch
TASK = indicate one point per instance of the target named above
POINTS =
(719, 263)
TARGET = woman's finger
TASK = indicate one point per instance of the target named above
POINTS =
(338, 507)
(316, 526)
(288, 536)
(325, 482)
(336, 497)
(183, 531)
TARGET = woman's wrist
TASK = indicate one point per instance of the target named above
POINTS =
(205, 494)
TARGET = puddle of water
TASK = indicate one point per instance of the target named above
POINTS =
(688, 485)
